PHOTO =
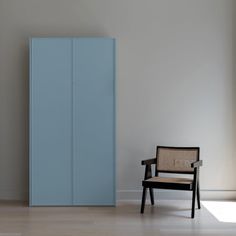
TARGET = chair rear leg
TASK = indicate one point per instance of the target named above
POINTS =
(143, 199)
(151, 196)
(198, 196)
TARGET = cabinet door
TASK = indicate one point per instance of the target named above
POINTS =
(93, 102)
(51, 121)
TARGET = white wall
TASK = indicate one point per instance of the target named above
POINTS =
(174, 82)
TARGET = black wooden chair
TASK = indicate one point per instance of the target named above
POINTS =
(173, 160)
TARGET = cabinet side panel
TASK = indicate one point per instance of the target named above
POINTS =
(94, 178)
(50, 121)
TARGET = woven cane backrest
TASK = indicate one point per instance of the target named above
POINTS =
(176, 159)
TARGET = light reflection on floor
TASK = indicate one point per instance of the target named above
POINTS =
(223, 211)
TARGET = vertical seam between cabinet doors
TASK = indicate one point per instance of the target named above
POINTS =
(72, 121)
(74, 127)
(114, 120)
(30, 122)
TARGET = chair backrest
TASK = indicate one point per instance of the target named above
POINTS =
(176, 159)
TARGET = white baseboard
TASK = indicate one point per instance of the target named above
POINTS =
(124, 195)
(6, 194)
(136, 195)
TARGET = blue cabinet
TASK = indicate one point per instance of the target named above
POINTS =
(72, 129)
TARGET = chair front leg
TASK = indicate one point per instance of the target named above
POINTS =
(143, 199)
(151, 196)
(195, 180)
(193, 202)
(198, 195)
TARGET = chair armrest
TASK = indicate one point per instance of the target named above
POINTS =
(148, 167)
(148, 161)
(196, 164)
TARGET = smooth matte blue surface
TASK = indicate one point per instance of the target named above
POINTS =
(72, 138)
(51, 122)
(94, 121)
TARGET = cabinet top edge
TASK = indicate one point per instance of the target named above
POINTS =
(32, 38)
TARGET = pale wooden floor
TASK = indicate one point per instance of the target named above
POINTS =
(169, 218)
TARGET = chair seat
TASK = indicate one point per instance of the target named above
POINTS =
(170, 180)
(168, 183)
